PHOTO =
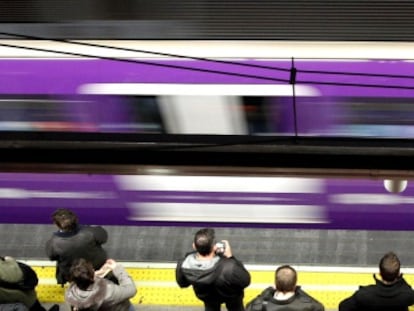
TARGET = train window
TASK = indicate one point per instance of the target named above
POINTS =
(229, 109)
(33, 113)
(379, 117)
(256, 114)
(264, 115)
(145, 114)
(81, 113)
(184, 114)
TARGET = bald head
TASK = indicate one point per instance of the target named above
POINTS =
(390, 267)
(286, 279)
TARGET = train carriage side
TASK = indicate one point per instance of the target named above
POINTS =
(328, 98)
(343, 97)
(321, 97)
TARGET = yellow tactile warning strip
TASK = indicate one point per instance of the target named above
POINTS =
(157, 286)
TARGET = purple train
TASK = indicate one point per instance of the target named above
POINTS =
(243, 88)
(247, 93)
(194, 200)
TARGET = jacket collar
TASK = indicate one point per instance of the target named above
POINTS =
(66, 234)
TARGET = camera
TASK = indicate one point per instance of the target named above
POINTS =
(220, 247)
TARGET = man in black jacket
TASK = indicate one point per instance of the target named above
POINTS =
(390, 293)
(286, 296)
(73, 241)
(216, 275)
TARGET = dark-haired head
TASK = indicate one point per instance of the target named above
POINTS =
(285, 278)
(65, 219)
(389, 267)
(82, 273)
(204, 240)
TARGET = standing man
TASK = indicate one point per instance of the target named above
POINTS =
(216, 275)
(391, 292)
(73, 241)
(285, 296)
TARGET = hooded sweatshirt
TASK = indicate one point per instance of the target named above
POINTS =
(103, 294)
(396, 296)
(220, 278)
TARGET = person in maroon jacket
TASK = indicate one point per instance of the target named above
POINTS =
(391, 292)
(216, 275)
(73, 241)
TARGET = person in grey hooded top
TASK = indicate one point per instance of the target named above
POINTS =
(216, 275)
(89, 290)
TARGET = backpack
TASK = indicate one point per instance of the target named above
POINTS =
(30, 279)
(260, 302)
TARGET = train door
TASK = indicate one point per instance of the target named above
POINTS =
(185, 114)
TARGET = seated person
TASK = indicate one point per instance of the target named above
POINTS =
(17, 285)
(89, 290)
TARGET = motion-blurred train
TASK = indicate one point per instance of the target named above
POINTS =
(238, 88)
(190, 87)
(175, 198)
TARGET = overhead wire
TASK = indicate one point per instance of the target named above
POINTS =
(227, 62)
(145, 63)
(182, 67)
(154, 64)
(213, 71)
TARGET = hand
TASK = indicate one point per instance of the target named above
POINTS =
(102, 272)
(111, 264)
(107, 267)
(227, 250)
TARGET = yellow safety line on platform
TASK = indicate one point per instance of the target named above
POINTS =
(156, 283)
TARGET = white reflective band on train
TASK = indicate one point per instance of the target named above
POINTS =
(219, 184)
(18, 193)
(370, 199)
(238, 213)
(197, 89)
